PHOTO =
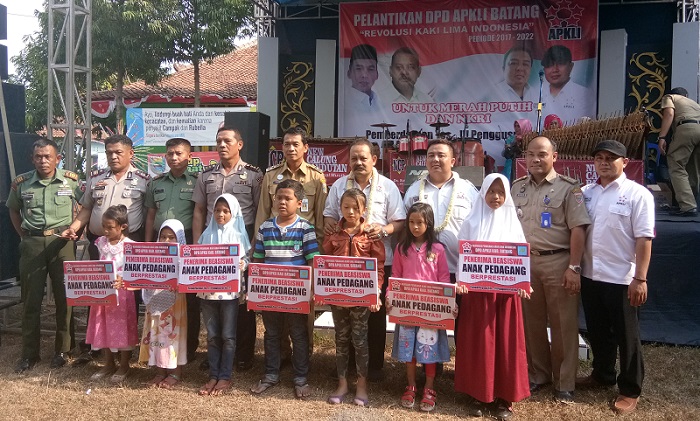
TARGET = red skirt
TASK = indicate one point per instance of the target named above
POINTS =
(491, 361)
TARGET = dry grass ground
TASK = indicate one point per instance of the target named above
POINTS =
(672, 392)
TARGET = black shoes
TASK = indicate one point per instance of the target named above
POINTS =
(535, 387)
(58, 360)
(562, 396)
(688, 213)
(25, 364)
(500, 409)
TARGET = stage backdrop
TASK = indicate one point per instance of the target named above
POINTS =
(464, 75)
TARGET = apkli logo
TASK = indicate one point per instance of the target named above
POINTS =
(564, 21)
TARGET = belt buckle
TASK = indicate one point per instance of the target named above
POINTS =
(48, 233)
(535, 252)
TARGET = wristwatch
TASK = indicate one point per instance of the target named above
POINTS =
(576, 269)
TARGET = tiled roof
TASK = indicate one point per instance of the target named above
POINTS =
(232, 75)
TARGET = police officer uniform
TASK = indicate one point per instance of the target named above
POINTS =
(172, 198)
(315, 193)
(548, 211)
(46, 209)
(104, 190)
(244, 181)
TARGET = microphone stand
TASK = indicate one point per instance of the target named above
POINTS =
(539, 104)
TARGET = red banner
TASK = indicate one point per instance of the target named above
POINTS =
(282, 288)
(210, 268)
(150, 265)
(396, 164)
(421, 303)
(90, 282)
(474, 62)
(584, 170)
(487, 266)
(332, 158)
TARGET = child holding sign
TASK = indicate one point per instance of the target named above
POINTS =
(286, 239)
(351, 322)
(164, 342)
(220, 309)
(420, 256)
(114, 328)
(491, 364)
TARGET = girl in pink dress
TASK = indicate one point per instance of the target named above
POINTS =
(420, 256)
(114, 328)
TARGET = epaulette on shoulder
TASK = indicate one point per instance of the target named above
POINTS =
(143, 174)
(274, 167)
(570, 180)
(19, 180)
(159, 176)
(99, 172)
(315, 168)
(209, 168)
(252, 168)
(517, 180)
(70, 174)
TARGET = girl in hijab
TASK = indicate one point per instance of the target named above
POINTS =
(514, 145)
(164, 343)
(220, 309)
(491, 364)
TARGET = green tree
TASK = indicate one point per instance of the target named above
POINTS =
(206, 29)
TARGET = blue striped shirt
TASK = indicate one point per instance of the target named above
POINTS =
(294, 244)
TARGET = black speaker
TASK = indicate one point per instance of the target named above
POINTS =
(255, 131)
(16, 105)
(9, 241)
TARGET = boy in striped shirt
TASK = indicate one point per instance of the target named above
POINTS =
(286, 239)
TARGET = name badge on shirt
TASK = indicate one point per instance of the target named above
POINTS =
(546, 220)
(62, 192)
(305, 205)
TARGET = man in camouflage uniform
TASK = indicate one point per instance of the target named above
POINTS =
(169, 196)
(231, 175)
(554, 219)
(41, 206)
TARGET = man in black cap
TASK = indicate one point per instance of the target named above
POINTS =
(614, 277)
(683, 114)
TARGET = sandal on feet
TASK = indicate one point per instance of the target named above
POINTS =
(428, 402)
(408, 399)
(336, 399)
(169, 382)
(364, 403)
(222, 386)
(262, 386)
(155, 382)
(207, 388)
(302, 391)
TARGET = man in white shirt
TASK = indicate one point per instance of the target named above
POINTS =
(614, 279)
(560, 95)
(361, 104)
(517, 64)
(385, 216)
(404, 71)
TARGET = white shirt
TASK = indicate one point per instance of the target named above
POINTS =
(507, 94)
(621, 212)
(418, 97)
(439, 200)
(387, 206)
(571, 103)
(360, 111)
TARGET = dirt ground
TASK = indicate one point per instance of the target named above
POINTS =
(671, 392)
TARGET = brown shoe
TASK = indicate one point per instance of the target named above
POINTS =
(589, 382)
(625, 405)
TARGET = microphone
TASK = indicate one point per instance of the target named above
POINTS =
(541, 74)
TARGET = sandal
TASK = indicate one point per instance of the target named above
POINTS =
(207, 388)
(336, 399)
(428, 402)
(262, 386)
(155, 381)
(222, 386)
(302, 391)
(364, 403)
(169, 382)
(408, 399)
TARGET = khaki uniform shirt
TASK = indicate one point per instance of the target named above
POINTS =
(683, 108)
(244, 182)
(103, 190)
(558, 195)
(172, 198)
(315, 193)
(44, 203)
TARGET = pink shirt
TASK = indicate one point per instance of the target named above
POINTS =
(418, 265)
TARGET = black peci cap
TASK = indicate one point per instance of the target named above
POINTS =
(612, 146)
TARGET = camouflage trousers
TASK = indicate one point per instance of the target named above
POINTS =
(351, 325)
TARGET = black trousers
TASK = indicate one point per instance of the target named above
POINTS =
(245, 335)
(613, 324)
(376, 329)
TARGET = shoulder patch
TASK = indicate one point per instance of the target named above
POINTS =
(209, 168)
(159, 176)
(570, 180)
(315, 168)
(517, 180)
(19, 180)
(252, 168)
(143, 175)
(70, 174)
(99, 172)
(274, 167)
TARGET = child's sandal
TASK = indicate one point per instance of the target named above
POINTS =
(408, 399)
(428, 402)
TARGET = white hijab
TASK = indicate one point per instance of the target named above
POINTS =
(159, 300)
(232, 232)
(486, 224)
